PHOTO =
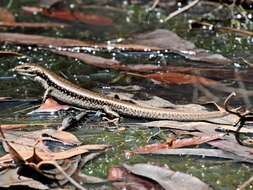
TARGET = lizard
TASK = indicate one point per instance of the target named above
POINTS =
(72, 94)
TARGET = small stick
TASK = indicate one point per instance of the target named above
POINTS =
(154, 5)
(179, 11)
(245, 184)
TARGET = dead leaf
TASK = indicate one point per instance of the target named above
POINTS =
(4, 98)
(19, 126)
(165, 77)
(108, 63)
(31, 25)
(6, 16)
(203, 152)
(9, 178)
(197, 24)
(71, 15)
(166, 39)
(179, 78)
(167, 178)
(50, 105)
(38, 40)
(7, 53)
(231, 145)
(128, 181)
(178, 143)
(49, 156)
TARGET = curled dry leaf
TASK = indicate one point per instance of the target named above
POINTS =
(48, 156)
(25, 142)
(11, 179)
(202, 152)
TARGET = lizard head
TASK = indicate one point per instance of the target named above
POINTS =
(28, 69)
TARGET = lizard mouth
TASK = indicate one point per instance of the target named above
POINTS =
(23, 71)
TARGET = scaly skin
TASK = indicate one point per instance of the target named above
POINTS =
(72, 94)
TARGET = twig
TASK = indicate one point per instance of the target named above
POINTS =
(207, 93)
(9, 4)
(69, 178)
(179, 11)
(154, 5)
(245, 184)
(242, 86)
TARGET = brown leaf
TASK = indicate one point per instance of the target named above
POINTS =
(177, 143)
(92, 19)
(166, 39)
(50, 105)
(167, 178)
(108, 63)
(71, 15)
(230, 145)
(38, 40)
(19, 126)
(202, 152)
(41, 151)
(25, 142)
(6, 16)
(50, 156)
(196, 140)
(6, 53)
(179, 78)
(31, 25)
(4, 98)
(129, 181)
(10, 178)
(12, 152)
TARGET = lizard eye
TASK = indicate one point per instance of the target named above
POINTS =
(26, 68)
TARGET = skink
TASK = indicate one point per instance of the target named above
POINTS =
(72, 94)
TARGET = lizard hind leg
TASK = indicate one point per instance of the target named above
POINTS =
(112, 114)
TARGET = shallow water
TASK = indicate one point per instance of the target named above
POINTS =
(220, 174)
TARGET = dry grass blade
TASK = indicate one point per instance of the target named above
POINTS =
(179, 11)
(245, 184)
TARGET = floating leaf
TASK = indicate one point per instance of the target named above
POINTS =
(71, 15)
(179, 78)
(166, 39)
(167, 178)
(177, 143)
(50, 105)
(31, 25)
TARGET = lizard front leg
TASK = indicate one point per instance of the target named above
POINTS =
(46, 93)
